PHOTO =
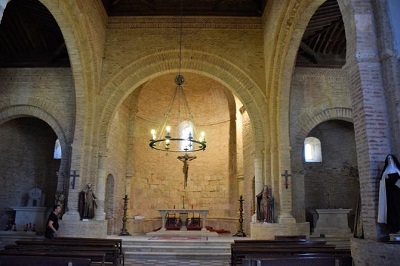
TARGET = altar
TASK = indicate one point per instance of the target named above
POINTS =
(183, 213)
(32, 216)
(332, 222)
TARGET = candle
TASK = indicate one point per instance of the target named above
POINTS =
(174, 206)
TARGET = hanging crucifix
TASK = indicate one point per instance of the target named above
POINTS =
(286, 175)
(185, 159)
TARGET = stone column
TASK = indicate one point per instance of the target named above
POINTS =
(258, 180)
(285, 215)
(101, 189)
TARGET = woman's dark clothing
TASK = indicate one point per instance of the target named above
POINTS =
(49, 233)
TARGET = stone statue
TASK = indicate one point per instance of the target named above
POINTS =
(87, 202)
(265, 206)
(389, 195)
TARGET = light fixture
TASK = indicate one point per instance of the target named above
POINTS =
(178, 133)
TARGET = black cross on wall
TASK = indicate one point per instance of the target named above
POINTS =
(286, 175)
(72, 178)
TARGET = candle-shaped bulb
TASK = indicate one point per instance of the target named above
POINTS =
(153, 134)
(202, 136)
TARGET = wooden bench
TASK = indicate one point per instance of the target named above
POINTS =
(115, 241)
(12, 260)
(96, 258)
(113, 251)
(303, 261)
(268, 249)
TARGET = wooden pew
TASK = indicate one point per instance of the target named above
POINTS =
(112, 251)
(12, 260)
(303, 261)
(115, 241)
(266, 249)
(96, 258)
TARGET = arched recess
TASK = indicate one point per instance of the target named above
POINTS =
(325, 115)
(12, 112)
(310, 122)
(157, 64)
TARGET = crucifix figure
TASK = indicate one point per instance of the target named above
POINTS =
(72, 178)
(286, 175)
(185, 159)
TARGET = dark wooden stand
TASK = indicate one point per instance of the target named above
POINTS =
(124, 231)
(240, 232)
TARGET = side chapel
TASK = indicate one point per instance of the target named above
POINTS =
(292, 97)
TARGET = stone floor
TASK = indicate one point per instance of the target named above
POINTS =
(209, 251)
(150, 262)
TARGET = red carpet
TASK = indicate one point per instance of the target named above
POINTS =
(179, 238)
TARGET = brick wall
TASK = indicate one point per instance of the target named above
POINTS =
(334, 182)
(319, 95)
(27, 162)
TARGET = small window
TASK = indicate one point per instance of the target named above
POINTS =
(57, 150)
(186, 131)
(312, 150)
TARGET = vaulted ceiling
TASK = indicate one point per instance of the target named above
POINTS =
(30, 36)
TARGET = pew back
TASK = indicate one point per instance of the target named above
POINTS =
(250, 250)
(13, 260)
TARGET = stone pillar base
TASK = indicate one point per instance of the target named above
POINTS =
(91, 228)
(268, 231)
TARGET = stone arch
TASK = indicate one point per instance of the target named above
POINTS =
(327, 114)
(293, 28)
(208, 65)
(293, 17)
(13, 112)
(85, 63)
(358, 56)
(362, 59)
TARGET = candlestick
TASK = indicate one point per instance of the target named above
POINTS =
(124, 231)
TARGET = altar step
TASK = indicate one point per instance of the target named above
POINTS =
(341, 241)
(207, 249)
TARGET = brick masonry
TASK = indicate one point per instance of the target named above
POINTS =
(98, 110)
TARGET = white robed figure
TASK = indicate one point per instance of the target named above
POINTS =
(389, 194)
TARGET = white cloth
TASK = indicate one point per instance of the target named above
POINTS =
(382, 205)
